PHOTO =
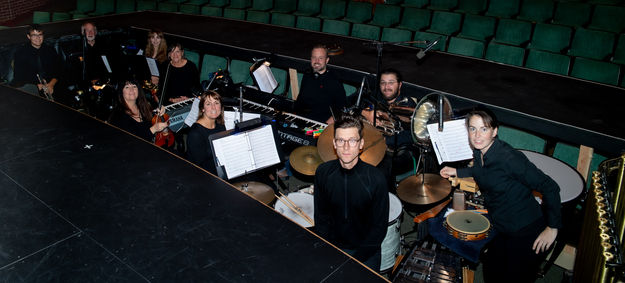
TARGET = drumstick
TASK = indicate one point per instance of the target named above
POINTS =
(290, 204)
(298, 209)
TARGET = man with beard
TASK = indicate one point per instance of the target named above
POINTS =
(351, 198)
(95, 69)
(36, 59)
(321, 90)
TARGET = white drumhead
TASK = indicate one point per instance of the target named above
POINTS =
(304, 201)
(394, 207)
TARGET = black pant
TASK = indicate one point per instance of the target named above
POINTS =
(510, 257)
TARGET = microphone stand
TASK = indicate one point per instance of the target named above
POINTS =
(84, 57)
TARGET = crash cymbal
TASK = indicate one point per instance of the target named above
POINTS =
(372, 152)
(305, 160)
(413, 191)
(257, 190)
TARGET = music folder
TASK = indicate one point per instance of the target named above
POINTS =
(250, 149)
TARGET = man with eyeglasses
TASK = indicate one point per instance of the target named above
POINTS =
(321, 90)
(35, 58)
(351, 197)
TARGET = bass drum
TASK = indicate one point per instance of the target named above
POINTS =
(391, 243)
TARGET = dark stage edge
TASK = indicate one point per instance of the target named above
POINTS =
(83, 201)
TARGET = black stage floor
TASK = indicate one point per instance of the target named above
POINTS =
(84, 202)
(559, 107)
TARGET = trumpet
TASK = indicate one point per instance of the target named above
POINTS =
(43, 92)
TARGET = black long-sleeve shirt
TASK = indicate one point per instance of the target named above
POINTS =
(318, 93)
(30, 61)
(351, 207)
(123, 121)
(181, 81)
(507, 179)
(198, 146)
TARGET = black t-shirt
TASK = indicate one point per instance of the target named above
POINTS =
(181, 81)
(198, 146)
(317, 94)
(30, 61)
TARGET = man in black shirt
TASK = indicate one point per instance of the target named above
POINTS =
(36, 58)
(351, 197)
(320, 90)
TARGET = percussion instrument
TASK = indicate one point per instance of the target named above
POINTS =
(414, 190)
(305, 160)
(467, 225)
(427, 112)
(372, 152)
(431, 262)
(257, 190)
(391, 243)
(305, 202)
(568, 179)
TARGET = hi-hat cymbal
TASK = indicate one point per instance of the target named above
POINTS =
(305, 160)
(257, 190)
(412, 189)
(372, 152)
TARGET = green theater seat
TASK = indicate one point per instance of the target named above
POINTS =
(168, 7)
(212, 11)
(336, 27)
(258, 16)
(84, 7)
(308, 23)
(240, 72)
(415, 19)
(609, 18)
(262, 5)
(191, 9)
(536, 10)
(386, 15)
(430, 37)
(364, 31)
(445, 5)
(144, 5)
(471, 6)
(359, 12)
(570, 154)
(61, 16)
(218, 3)
(592, 44)
(548, 62)
(478, 27)
(466, 47)
(572, 14)
(507, 54)
(281, 77)
(103, 7)
(333, 9)
(125, 6)
(446, 23)
(211, 64)
(415, 3)
(513, 32)
(552, 38)
(284, 6)
(41, 17)
(521, 140)
(240, 4)
(619, 53)
(503, 8)
(236, 14)
(396, 35)
(192, 56)
(285, 20)
(308, 8)
(602, 72)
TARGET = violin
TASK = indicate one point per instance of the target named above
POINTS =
(166, 136)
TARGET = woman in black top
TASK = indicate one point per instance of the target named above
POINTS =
(133, 113)
(210, 121)
(156, 49)
(183, 78)
(525, 230)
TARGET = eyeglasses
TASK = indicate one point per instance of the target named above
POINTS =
(36, 35)
(350, 142)
(482, 130)
(383, 83)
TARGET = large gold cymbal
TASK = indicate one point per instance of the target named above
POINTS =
(412, 189)
(305, 160)
(372, 152)
(257, 190)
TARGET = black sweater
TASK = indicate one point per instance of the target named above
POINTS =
(317, 94)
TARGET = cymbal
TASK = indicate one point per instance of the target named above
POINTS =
(413, 191)
(372, 152)
(305, 160)
(257, 190)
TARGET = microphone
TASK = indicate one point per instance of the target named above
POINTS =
(362, 86)
(421, 53)
(440, 112)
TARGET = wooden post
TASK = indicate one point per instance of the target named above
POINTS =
(294, 83)
(583, 160)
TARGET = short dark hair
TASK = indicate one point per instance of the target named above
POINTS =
(488, 117)
(348, 121)
(214, 95)
(391, 71)
(173, 46)
(34, 27)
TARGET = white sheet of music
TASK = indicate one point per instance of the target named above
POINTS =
(152, 66)
(106, 63)
(245, 152)
(265, 79)
(195, 110)
(231, 116)
(452, 144)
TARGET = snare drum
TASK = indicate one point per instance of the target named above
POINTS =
(467, 226)
(304, 201)
(390, 245)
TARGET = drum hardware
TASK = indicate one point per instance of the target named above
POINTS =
(303, 202)
(305, 160)
(467, 225)
(372, 152)
(257, 190)
(429, 262)
(391, 244)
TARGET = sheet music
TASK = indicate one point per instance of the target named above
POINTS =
(452, 144)
(248, 151)
(195, 110)
(231, 116)
(106, 63)
(264, 155)
(265, 79)
(152, 66)
(140, 52)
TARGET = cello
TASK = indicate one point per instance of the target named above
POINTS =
(166, 136)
